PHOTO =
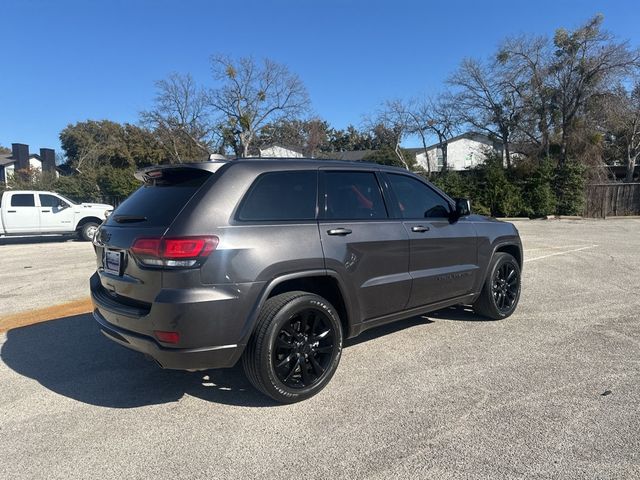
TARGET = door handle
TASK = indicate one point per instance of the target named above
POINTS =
(45, 211)
(419, 229)
(339, 231)
(11, 211)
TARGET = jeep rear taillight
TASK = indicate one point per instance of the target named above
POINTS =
(176, 252)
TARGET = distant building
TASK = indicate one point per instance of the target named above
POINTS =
(21, 159)
(463, 152)
(280, 151)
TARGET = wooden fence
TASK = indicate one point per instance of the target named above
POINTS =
(612, 199)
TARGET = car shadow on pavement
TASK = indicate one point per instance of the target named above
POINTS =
(459, 313)
(71, 357)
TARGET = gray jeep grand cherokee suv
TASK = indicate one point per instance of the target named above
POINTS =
(278, 261)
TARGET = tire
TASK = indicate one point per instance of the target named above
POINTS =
(291, 364)
(501, 290)
(86, 231)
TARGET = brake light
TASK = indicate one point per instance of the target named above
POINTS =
(188, 247)
(147, 247)
(174, 252)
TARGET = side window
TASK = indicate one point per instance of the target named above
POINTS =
(281, 196)
(417, 200)
(50, 201)
(353, 196)
(23, 200)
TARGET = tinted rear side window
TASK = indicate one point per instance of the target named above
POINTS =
(158, 202)
(22, 200)
(281, 196)
(353, 196)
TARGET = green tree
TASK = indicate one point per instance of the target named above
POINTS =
(80, 188)
(349, 139)
(119, 182)
(496, 190)
(570, 185)
(539, 196)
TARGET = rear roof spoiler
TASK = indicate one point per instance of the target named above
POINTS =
(147, 173)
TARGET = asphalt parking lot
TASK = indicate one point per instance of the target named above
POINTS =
(552, 392)
(37, 273)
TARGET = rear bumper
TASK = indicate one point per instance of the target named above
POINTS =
(214, 323)
(222, 356)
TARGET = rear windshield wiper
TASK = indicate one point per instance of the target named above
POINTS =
(129, 218)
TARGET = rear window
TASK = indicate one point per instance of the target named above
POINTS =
(22, 200)
(158, 202)
(281, 196)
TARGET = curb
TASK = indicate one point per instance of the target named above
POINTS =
(31, 317)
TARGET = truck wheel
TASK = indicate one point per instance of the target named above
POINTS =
(501, 290)
(295, 348)
(88, 230)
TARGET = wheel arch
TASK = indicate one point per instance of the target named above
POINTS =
(512, 249)
(84, 220)
(324, 283)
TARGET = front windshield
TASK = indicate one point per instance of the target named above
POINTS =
(70, 202)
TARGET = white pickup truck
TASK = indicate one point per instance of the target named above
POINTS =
(25, 213)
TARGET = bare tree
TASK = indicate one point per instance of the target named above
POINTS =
(252, 94)
(394, 122)
(434, 116)
(486, 101)
(586, 62)
(526, 71)
(181, 118)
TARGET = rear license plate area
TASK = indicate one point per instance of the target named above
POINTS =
(112, 261)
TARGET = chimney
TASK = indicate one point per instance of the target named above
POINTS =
(48, 157)
(20, 153)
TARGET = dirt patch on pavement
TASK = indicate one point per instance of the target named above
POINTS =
(31, 317)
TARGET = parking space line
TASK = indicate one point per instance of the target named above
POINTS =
(558, 253)
(30, 317)
(550, 247)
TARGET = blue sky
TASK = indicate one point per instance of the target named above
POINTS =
(67, 61)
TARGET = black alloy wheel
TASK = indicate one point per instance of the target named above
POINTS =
(501, 290)
(506, 285)
(304, 348)
(295, 348)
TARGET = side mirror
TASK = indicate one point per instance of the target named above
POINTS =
(463, 207)
(62, 205)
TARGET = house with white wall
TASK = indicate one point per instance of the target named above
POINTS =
(21, 159)
(280, 151)
(464, 151)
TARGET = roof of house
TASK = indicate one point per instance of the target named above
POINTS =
(6, 159)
